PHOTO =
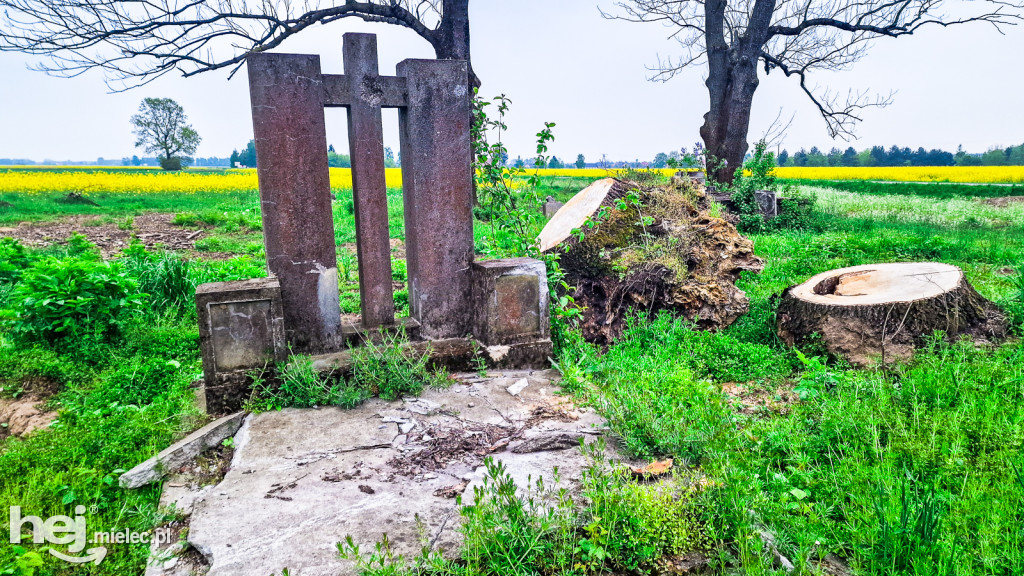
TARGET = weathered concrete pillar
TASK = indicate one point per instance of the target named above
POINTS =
(366, 143)
(437, 180)
(295, 194)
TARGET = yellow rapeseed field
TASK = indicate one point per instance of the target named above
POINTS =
(153, 182)
(965, 174)
(135, 181)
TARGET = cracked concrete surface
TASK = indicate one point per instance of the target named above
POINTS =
(301, 480)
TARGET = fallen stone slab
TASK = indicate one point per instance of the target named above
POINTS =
(302, 480)
(179, 453)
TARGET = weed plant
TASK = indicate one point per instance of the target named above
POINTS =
(384, 369)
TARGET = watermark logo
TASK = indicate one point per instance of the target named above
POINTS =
(72, 532)
(59, 531)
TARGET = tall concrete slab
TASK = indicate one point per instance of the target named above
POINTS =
(287, 97)
(437, 181)
(366, 144)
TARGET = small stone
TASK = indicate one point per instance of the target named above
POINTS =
(429, 476)
(407, 427)
(471, 405)
(366, 489)
(518, 387)
(426, 438)
(400, 440)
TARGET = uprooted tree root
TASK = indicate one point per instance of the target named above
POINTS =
(656, 248)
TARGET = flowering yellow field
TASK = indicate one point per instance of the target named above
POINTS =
(142, 181)
(965, 174)
(152, 182)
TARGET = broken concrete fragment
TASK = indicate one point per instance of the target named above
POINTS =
(548, 442)
(518, 387)
(421, 406)
(181, 452)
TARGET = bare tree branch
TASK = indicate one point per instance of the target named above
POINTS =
(796, 37)
(137, 41)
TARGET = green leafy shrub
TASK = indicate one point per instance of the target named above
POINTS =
(58, 299)
(795, 209)
(14, 259)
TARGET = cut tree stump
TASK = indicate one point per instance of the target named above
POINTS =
(881, 312)
(626, 248)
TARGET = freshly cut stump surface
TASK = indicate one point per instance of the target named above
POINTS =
(880, 312)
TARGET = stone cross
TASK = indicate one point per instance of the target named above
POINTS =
(288, 94)
(495, 311)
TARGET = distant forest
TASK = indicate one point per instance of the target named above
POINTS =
(896, 156)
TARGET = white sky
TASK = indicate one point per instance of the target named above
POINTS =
(561, 62)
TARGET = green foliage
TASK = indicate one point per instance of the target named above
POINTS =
(24, 563)
(98, 434)
(620, 525)
(300, 385)
(511, 203)
(511, 209)
(386, 369)
(910, 542)
(390, 371)
(14, 259)
(170, 279)
(1015, 307)
(59, 299)
(795, 209)
(138, 382)
(634, 525)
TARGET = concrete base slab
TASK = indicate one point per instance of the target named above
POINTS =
(302, 480)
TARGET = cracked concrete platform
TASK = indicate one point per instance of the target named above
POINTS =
(301, 480)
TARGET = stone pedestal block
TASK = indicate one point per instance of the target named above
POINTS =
(241, 327)
(551, 206)
(510, 301)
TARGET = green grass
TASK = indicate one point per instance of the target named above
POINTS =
(45, 206)
(906, 471)
(938, 190)
(912, 470)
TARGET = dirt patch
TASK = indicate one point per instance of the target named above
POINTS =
(443, 445)
(20, 416)
(754, 401)
(153, 230)
(1004, 201)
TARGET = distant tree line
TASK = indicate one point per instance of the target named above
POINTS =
(896, 156)
(246, 158)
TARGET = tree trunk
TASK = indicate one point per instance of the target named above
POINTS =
(880, 312)
(732, 81)
(451, 39)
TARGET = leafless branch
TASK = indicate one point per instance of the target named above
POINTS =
(137, 41)
(802, 36)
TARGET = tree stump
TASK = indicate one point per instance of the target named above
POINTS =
(627, 248)
(880, 312)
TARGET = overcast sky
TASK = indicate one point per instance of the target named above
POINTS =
(559, 61)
